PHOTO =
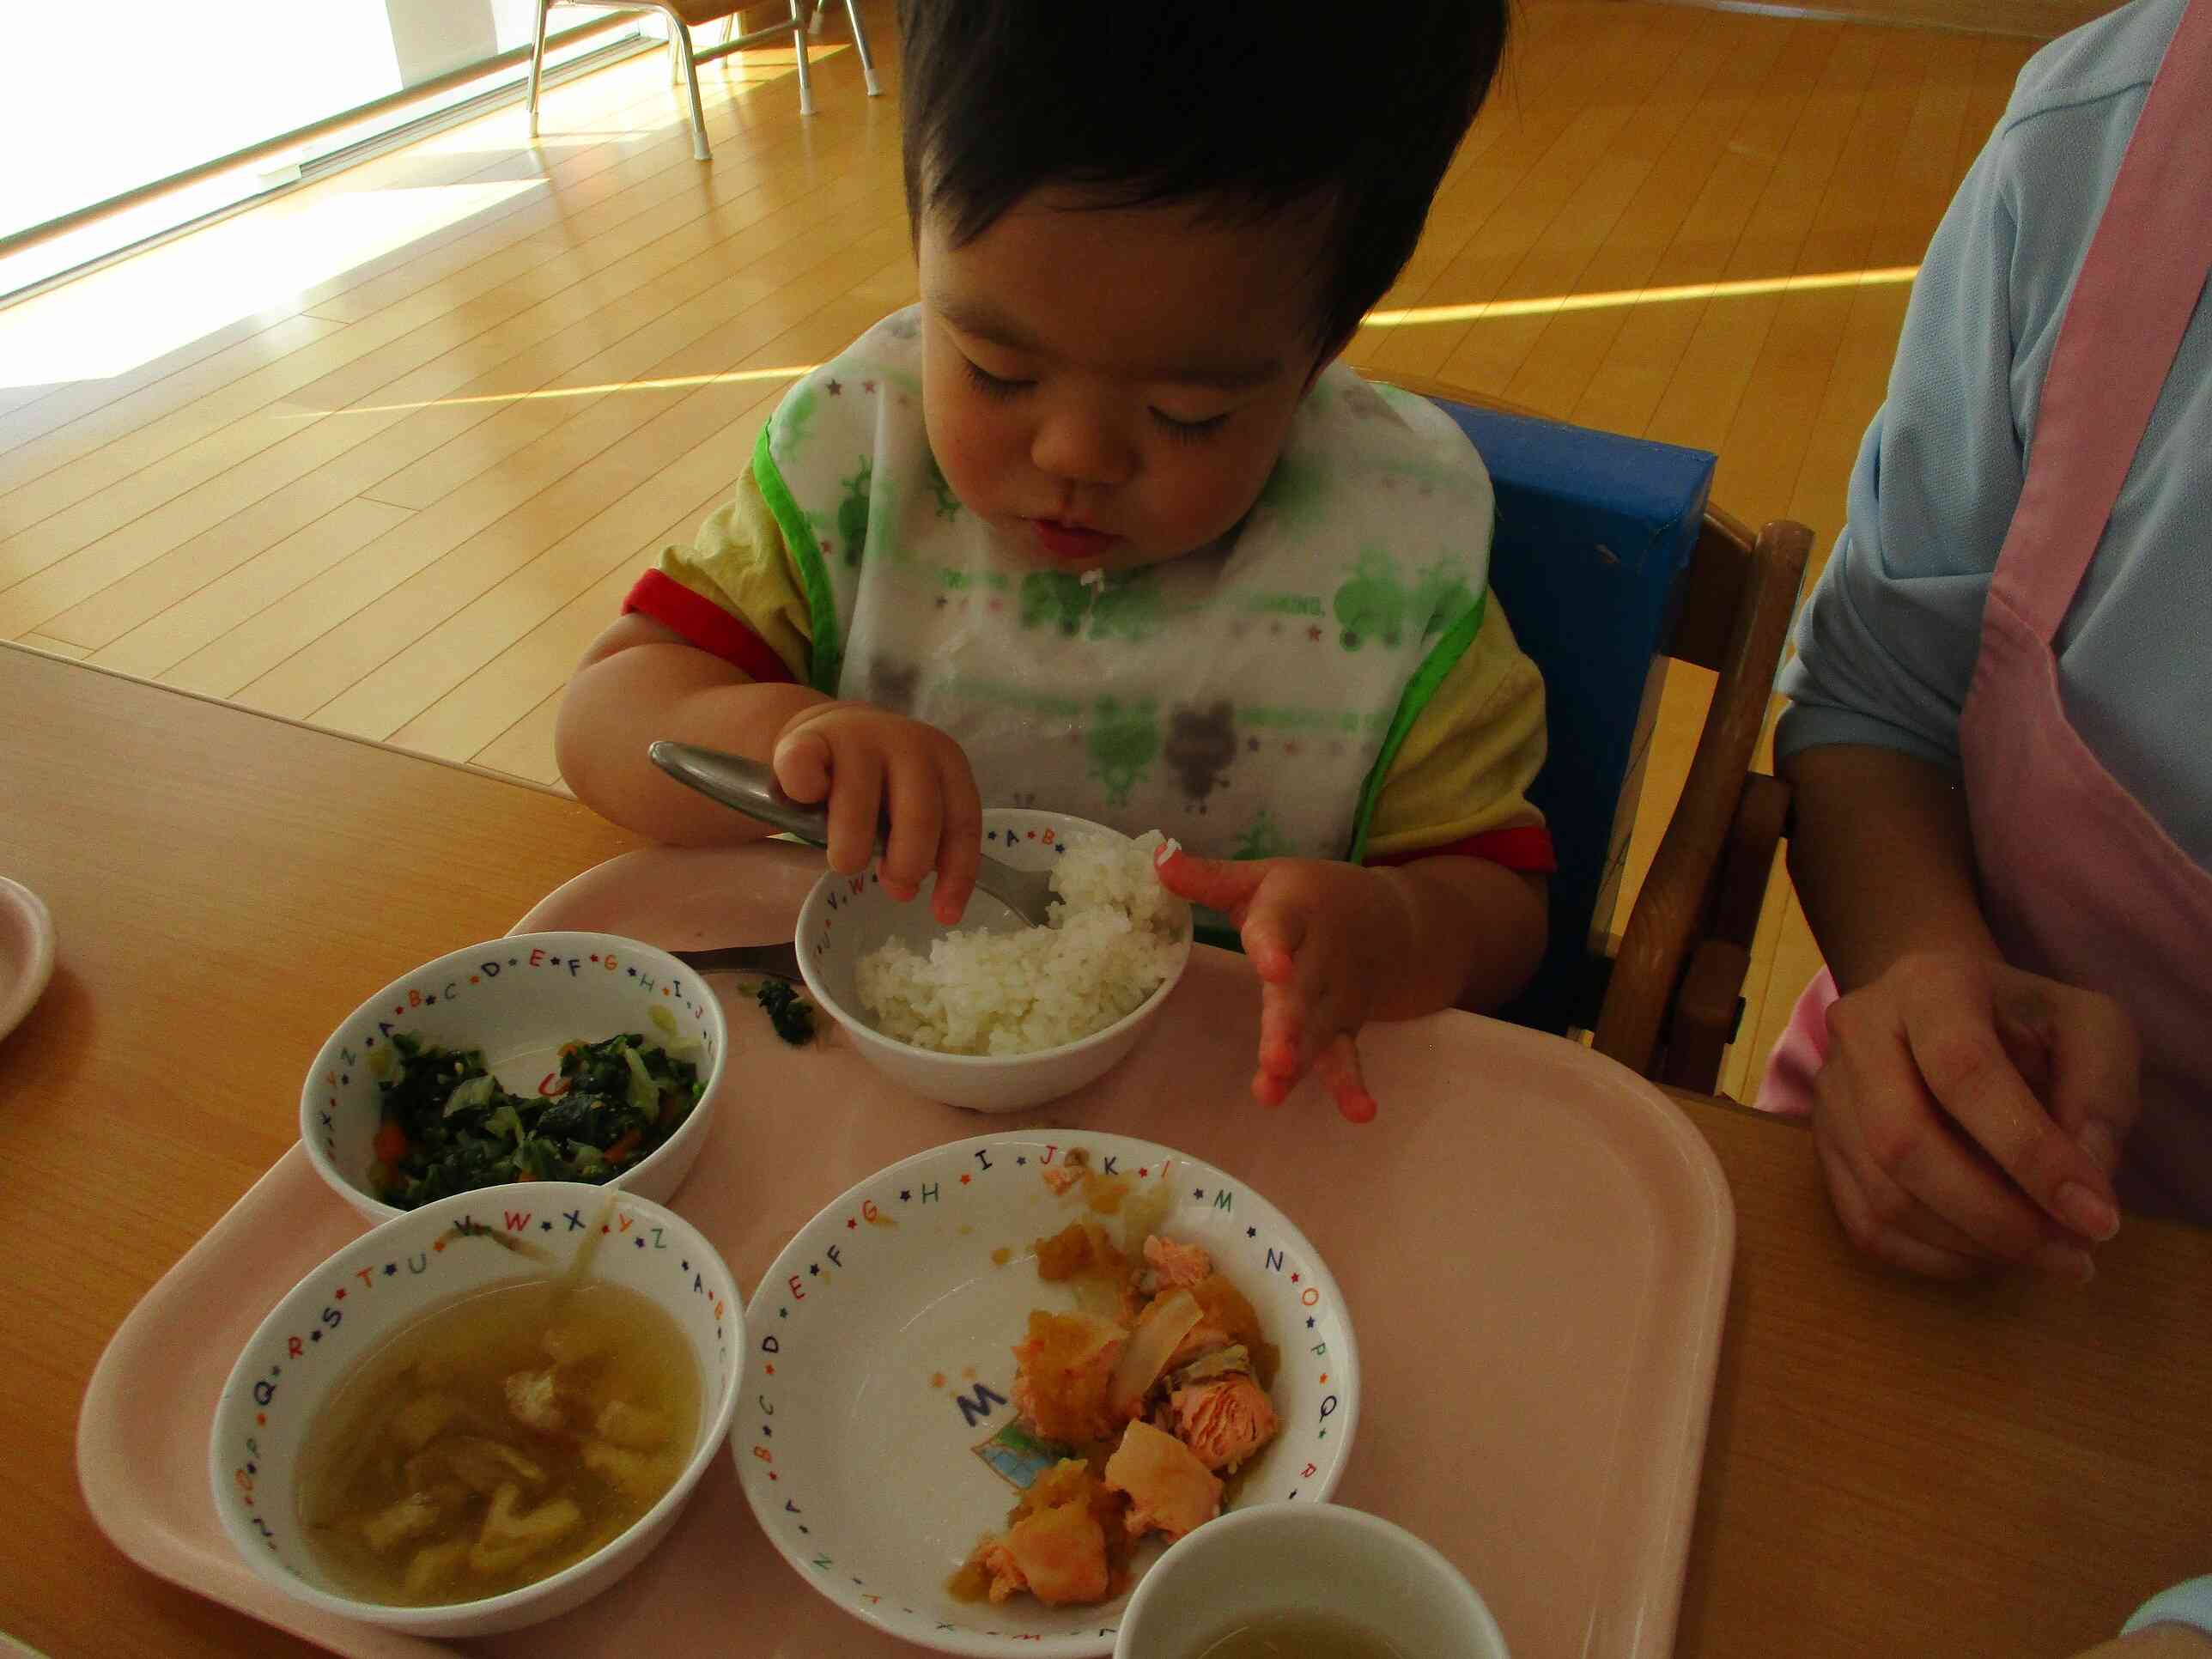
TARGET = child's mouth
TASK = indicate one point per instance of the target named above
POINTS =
(1071, 543)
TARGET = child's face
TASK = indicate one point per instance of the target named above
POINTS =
(1110, 387)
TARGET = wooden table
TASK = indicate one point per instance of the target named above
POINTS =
(1893, 1467)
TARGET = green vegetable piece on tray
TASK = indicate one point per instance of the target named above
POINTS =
(791, 1014)
(448, 1127)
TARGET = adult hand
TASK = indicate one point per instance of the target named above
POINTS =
(1970, 1114)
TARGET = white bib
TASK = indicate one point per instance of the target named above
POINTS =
(1246, 699)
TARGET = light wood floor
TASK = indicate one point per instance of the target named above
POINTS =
(384, 455)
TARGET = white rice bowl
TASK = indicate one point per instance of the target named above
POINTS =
(1116, 935)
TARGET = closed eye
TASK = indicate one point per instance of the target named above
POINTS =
(1190, 432)
(990, 385)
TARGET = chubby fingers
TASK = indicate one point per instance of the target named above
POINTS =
(1288, 1050)
(801, 763)
(936, 822)
(811, 763)
(914, 805)
(856, 810)
(892, 780)
(1283, 1056)
(960, 836)
(1338, 1064)
(1223, 885)
(1310, 1010)
(1278, 942)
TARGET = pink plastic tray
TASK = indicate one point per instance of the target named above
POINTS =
(1534, 1245)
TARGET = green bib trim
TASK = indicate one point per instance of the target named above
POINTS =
(1241, 701)
(828, 649)
(1442, 658)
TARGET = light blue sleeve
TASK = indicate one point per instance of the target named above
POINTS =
(1887, 638)
(2189, 1603)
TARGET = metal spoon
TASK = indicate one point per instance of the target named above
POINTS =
(769, 961)
(750, 787)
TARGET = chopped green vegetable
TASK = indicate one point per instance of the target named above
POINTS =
(644, 1092)
(791, 1014)
(476, 1092)
(460, 1130)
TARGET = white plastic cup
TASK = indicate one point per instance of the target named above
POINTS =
(1315, 1558)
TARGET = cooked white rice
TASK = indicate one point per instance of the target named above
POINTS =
(1115, 936)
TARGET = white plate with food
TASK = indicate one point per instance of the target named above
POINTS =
(986, 1387)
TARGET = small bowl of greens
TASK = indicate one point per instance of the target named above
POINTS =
(559, 1056)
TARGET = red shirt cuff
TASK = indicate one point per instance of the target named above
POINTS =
(707, 625)
(1526, 847)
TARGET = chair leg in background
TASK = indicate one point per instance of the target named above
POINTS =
(860, 45)
(537, 64)
(798, 21)
(683, 38)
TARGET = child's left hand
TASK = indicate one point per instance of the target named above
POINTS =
(1328, 940)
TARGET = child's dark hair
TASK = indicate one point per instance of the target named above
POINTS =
(1247, 108)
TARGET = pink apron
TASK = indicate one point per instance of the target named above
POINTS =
(2079, 882)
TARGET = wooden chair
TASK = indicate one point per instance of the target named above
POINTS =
(1609, 560)
(684, 58)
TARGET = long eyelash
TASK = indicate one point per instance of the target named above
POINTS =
(991, 385)
(1190, 432)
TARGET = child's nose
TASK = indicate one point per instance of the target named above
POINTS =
(1081, 446)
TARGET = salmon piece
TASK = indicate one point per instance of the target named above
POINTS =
(1168, 1487)
(1225, 1419)
(1177, 1267)
(1057, 1554)
(1064, 1367)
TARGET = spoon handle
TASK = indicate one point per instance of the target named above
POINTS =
(746, 785)
(774, 961)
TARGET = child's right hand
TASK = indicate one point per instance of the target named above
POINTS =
(876, 770)
(1971, 1115)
